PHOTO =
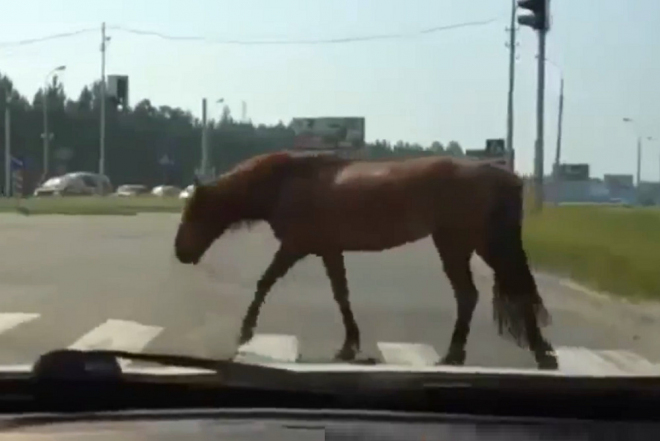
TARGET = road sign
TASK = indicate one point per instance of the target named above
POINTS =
(332, 133)
(17, 163)
(495, 147)
(165, 161)
(574, 172)
(17, 166)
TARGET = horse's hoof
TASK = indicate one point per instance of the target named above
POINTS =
(347, 353)
(453, 358)
(547, 362)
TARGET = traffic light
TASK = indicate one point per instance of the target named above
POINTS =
(538, 19)
(117, 90)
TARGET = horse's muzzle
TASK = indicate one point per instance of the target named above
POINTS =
(183, 253)
(185, 258)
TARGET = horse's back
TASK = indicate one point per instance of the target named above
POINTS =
(371, 205)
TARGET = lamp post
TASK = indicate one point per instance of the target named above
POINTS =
(47, 136)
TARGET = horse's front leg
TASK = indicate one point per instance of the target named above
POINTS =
(336, 271)
(282, 262)
(455, 251)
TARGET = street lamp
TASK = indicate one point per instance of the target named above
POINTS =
(220, 101)
(560, 116)
(46, 134)
(639, 149)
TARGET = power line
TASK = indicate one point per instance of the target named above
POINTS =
(337, 40)
(6, 44)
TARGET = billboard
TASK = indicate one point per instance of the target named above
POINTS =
(495, 152)
(495, 147)
(328, 133)
(619, 181)
(574, 172)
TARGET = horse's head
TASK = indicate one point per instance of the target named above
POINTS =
(208, 212)
(240, 197)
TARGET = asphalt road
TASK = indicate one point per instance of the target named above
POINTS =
(113, 282)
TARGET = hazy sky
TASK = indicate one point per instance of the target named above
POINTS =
(442, 86)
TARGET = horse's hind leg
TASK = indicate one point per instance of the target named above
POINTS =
(455, 249)
(336, 271)
(282, 262)
(506, 310)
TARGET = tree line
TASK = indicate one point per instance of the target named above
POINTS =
(138, 137)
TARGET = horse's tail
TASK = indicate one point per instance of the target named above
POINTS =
(517, 304)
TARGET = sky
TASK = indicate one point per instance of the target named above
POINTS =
(449, 85)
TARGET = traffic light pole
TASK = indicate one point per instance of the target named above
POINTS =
(204, 166)
(556, 178)
(512, 74)
(102, 122)
(538, 153)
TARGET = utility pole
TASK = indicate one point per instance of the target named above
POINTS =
(639, 149)
(639, 161)
(204, 166)
(7, 146)
(560, 118)
(539, 21)
(102, 123)
(539, 195)
(512, 73)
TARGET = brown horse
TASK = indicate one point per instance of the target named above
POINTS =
(325, 206)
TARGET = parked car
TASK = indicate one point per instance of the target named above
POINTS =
(131, 190)
(185, 194)
(75, 184)
(166, 191)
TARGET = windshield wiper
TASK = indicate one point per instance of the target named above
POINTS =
(103, 365)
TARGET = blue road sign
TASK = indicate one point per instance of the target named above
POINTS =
(17, 163)
(166, 161)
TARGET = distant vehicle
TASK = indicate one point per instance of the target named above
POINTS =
(131, 190)
(75, 184)
(166, 191)
(185, 194)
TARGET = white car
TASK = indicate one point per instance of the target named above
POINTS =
(185, 194)
(165, 191)
(75, 184)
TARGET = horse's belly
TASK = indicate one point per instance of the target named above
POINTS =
(358, 235)
(370, 218)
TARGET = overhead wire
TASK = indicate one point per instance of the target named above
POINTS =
(336, 40)
(25, 42)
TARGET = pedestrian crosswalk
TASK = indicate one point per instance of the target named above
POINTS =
(127, 335)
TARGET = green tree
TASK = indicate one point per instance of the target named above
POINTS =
(138, 137)
(454, 149)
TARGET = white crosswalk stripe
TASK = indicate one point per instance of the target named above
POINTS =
(583, 361)
(269, 348)
(118, 335)
(413, 354)
(114, 334)
(11, 320)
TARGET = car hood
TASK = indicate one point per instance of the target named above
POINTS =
(570, 364)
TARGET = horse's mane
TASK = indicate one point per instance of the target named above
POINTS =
(265, 164)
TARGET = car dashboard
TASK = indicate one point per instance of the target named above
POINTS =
(275, 425)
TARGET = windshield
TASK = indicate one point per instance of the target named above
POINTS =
(409, 251)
